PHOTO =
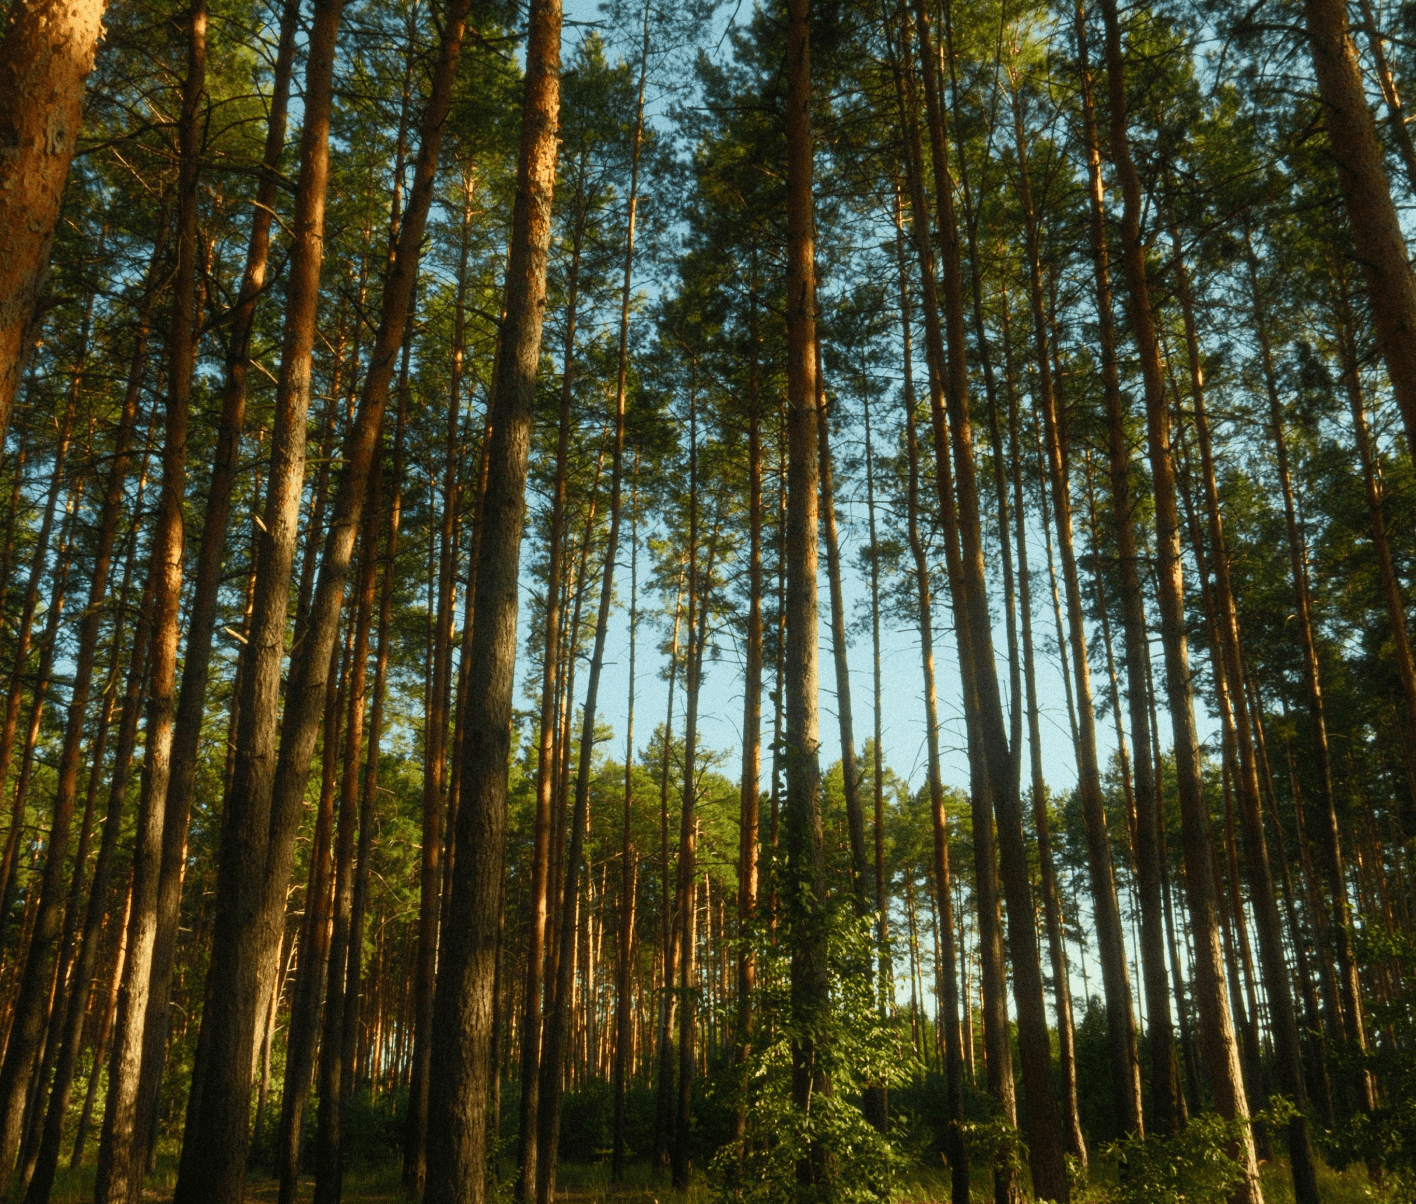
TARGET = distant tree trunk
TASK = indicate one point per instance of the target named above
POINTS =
(668, 929)
(955, 1147)
(1366, 191)
(624, 965)
(1338, 936)
(1106, 912)
(123, 1155)
(804, 893)
(1051, 897)
(1221, 1050)
(1165, 1081)
(989, 737)
(45, 58)
(850, 771)
(258, 840)
(467, 962)
(202, 609)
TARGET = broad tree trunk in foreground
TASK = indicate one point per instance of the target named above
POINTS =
(462, 1011)
(45, 58)
(1221, 1048)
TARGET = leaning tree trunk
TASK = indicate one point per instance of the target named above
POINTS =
(45, 58)
(1361, 175)
(989, 736)
(1106, 912)
(1166, 1099)
(467, 962)
(259, 836)
(1221, 1049)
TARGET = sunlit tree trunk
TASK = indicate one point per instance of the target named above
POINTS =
(1221, 1049)
(467, 961)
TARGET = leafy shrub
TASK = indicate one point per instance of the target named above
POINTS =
(854, 1047)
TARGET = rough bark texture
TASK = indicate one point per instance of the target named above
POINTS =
(462, 1011)
(1221, 1049)
(803, 892)
(1366, 191)
(45, 58)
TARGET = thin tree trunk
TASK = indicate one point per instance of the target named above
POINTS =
(994, 763)
(123, 1155)
(1221, 1050)
(467, 962)
(955, 1147)
(1338, 936)
(1106, 912)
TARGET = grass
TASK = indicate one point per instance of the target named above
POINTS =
(580, 1183)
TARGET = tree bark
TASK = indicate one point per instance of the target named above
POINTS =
(1366, 192)
(1221, 1049)
(804, 892)
(462, 1009)
(46, 55)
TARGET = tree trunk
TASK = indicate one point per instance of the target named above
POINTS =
(989, 737)
(123, 1156)
(1366, 191)
(1221, 1050)
(45, 58)
(804, 892)
(263, 817)
(955, 1147)
(1106, 912)
(462, 1010)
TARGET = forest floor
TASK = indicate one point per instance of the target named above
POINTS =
(581, 1184)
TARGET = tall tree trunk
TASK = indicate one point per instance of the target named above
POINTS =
(202, 609)
(955, 1147)
(1164, 1081)
(803, 893)
(259, 836)
(123, 1156)
(1277, 984)
(624, 965)
(1042, 824)
(46, 55)
(989, 738)
(1221, 1049)
(1106, 912)
(1366, 191)
(548, 746)
(467, 962)
(553, 1064)
(1338, 936)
